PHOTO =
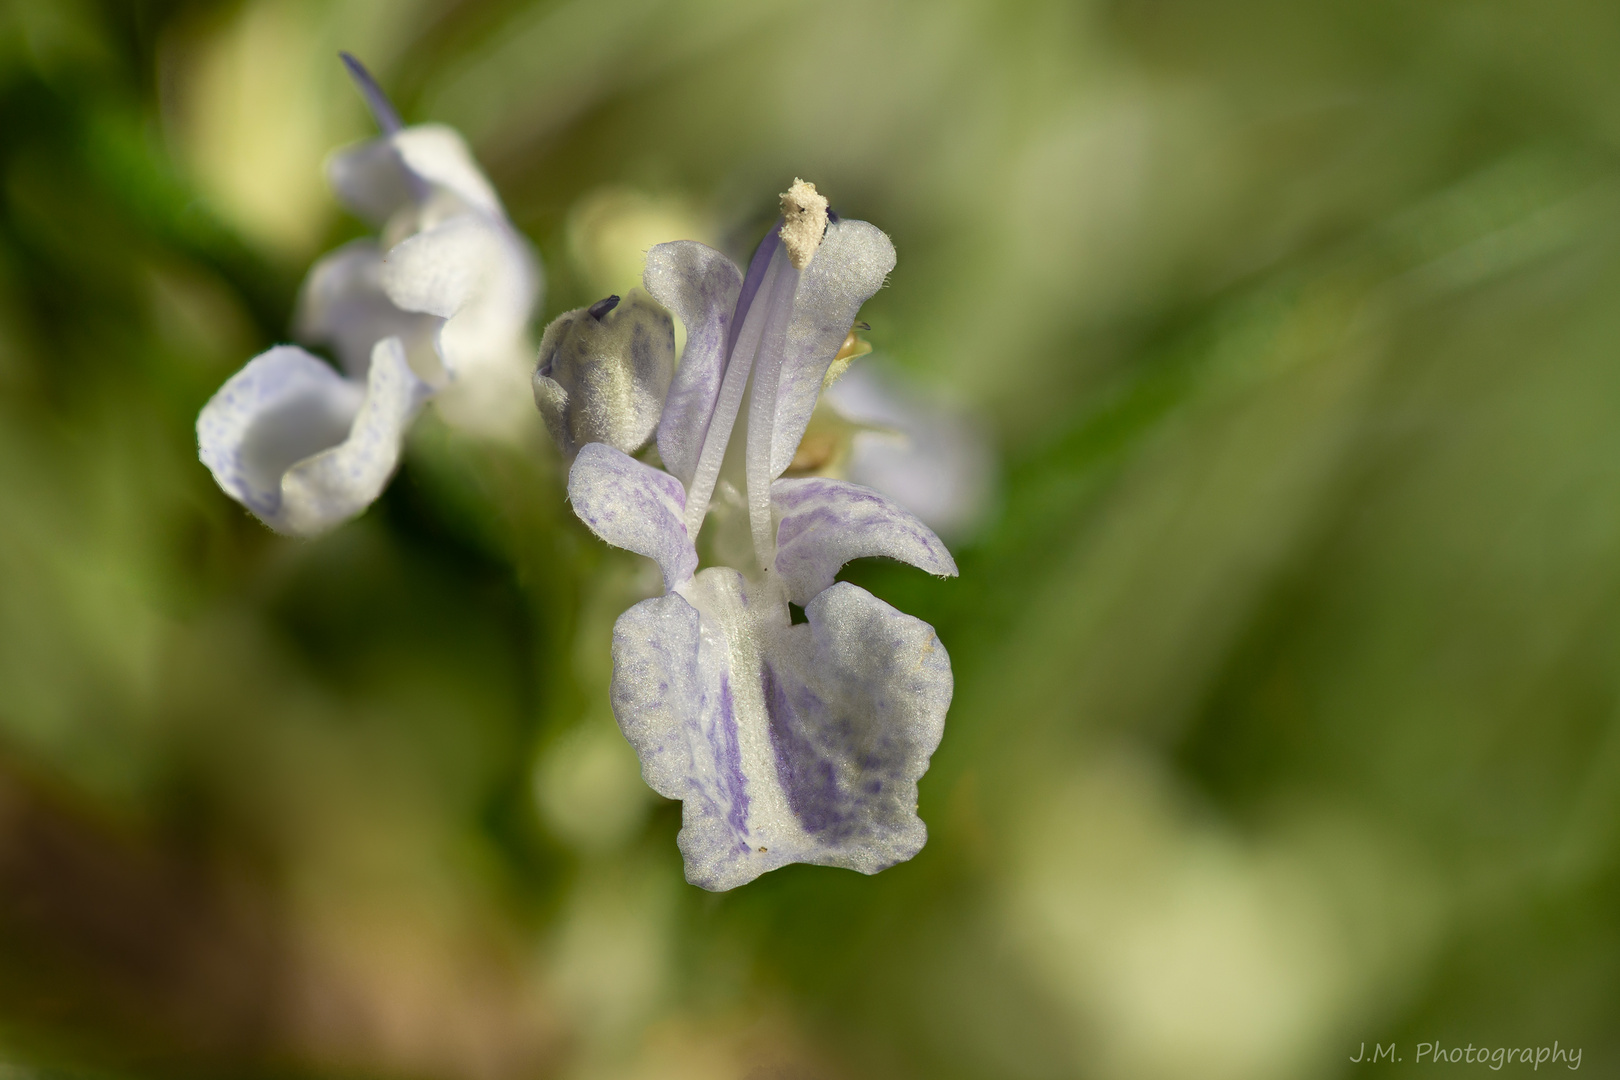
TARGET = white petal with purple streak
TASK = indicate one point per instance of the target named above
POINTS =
(785, 743)
(676, 698)
(823, 524)
(635, 507)
(856, 702)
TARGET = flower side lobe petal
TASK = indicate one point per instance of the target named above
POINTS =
(635, 507)
(823, 524)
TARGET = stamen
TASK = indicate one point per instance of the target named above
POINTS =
(762, 411)
(729, 402)
(751, 283)
(382, 110)
(804, 213)
(602, 307)
(711, 456)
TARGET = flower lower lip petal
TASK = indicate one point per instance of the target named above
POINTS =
(806, 749)
(302, 447)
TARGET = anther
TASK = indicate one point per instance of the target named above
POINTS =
(804, 214)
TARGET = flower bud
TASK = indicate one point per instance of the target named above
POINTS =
(603, 373)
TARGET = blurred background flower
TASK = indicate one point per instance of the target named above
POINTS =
(1285, 640)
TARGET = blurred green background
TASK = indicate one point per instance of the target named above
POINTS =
(1288, 658)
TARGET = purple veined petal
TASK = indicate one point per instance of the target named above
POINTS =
(478, 275)
(857, 701)
(700, 287)
(851, 264)
(633, 506)
(336, 484)
(342, 304)
(675, 699)
(784, 743)
(823, 524)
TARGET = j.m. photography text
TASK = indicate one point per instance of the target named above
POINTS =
(1493, 1057)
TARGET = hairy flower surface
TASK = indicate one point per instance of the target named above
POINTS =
(786, 742)
(449, 284)
(603, 373)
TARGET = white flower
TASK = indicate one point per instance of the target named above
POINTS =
(450, 283)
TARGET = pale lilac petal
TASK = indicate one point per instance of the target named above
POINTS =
(342, 304)
(301, 446)
(603, 375)
(699, 286)
(335, 485)
(823, 524)
(851, 264)
(439, 155)
(370, 179)
(635, 507)
(672, 693)
(929, 457)
(282, 407)
(478, 274)
(857, 701)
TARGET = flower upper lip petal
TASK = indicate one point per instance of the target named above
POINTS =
(701, 287)
(851, 265)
